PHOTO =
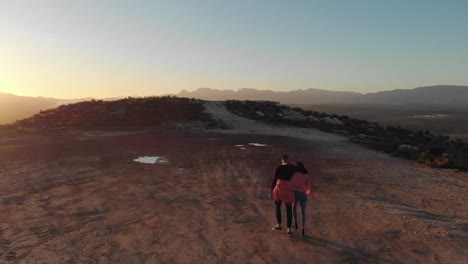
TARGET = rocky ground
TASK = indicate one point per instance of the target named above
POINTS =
(79, 197)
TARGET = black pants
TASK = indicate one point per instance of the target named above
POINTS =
(288, 213)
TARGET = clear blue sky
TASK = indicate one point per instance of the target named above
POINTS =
(115, 48)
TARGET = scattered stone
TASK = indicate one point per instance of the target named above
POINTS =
(150, 160)
(313, 119)
(332, 121)
(289, 114)
(407, 148)
(257, 144)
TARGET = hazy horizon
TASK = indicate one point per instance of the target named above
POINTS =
(218, 89)
(115, 48)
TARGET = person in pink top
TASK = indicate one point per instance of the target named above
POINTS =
(300, 184)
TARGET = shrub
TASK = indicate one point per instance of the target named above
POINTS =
(149, 111)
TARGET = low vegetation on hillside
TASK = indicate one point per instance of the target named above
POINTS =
(124, 113)
(441, 119)
(425, 147)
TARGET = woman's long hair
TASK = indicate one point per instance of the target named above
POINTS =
(301, 167)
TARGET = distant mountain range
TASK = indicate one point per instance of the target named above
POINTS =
(13, 107)
(450, 95)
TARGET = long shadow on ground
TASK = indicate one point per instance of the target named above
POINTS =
(350, 254)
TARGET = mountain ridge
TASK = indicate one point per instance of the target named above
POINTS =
(436, 94)
(15, 107)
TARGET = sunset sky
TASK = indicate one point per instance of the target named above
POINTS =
(95, 48)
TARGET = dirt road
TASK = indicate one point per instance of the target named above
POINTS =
(76, 198)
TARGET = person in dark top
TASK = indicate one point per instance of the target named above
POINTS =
(279, 189)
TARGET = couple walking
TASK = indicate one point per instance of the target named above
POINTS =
(290, 185)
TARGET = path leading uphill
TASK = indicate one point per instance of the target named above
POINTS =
(242, 125)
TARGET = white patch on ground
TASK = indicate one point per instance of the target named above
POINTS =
(241, 147)
(113, 133)
(7, 139)
(429, 116)
(150, 160)
(257, 144)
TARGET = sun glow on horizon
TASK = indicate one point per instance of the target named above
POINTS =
(154, 48)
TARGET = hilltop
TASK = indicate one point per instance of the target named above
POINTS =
(123, 113)
(74, 192)
(422, 145)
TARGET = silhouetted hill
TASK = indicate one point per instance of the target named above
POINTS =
(14, 107)
(431, 95)
(129, 112)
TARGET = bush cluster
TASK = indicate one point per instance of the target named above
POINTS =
(423, 146)
(128, 112)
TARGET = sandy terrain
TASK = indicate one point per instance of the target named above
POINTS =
(80, 197)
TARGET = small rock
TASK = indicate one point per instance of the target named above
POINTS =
(293, 115)
(333, 121)
(313, 119)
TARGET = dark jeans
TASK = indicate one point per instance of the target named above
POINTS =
(301, 198)
(288, 213)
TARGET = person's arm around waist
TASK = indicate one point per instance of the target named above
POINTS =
(274, 178)
(273, 182)
(308, 187)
